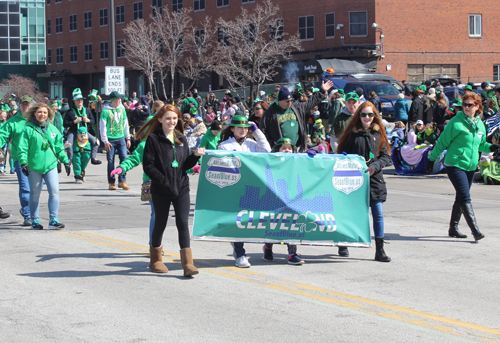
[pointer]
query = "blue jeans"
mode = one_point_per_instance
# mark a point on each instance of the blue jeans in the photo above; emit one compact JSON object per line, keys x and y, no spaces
{"x":4,"y":163}
{"x":238,"y":249}
{"x":462,"y":181}
{"x":51,"y":179}
{"x":378,"y":218}
{"x":24,"y":190}
{"x":151,"y":221}
{"x":121,"y":146}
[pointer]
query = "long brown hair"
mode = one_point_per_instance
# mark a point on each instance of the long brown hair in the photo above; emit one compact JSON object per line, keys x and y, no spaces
{"x":355,"y":124}
{"x":154,"y":123}
{"x":30,"y":112}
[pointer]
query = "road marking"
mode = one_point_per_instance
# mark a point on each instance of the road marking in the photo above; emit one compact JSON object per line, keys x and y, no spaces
{"x":424,"y":320}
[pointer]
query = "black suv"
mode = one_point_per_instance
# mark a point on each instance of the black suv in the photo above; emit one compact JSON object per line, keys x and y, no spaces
{"x":386,"y":92}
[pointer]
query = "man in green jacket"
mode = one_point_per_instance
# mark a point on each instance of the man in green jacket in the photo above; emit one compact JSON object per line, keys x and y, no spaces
{"x":12,"y":129}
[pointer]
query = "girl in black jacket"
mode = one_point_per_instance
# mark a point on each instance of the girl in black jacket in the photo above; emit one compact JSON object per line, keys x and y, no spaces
{"x":365,"y":136}
{"x":166,"y":159}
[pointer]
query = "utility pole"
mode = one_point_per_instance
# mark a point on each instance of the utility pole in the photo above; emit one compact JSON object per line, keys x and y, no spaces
{"x":112,"y":45}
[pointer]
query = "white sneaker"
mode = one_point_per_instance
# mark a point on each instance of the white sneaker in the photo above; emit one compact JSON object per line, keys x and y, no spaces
{"x":242,"y":262}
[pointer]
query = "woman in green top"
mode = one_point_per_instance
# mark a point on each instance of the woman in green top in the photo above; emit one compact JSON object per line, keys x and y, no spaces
{"x":40,"y":146}
{"x":463,"y":137}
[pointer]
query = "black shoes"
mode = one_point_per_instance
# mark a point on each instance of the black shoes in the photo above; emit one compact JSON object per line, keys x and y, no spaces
{"x":4,"y":215}
{"x":380,"y":253}
{"x":470,"y":218}
{"x":343,"y":251}
{"x":95,"y":161}
{"x":456,"y":214}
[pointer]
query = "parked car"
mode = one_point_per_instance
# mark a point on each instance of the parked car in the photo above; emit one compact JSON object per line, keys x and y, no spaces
{"x":452,"y":93}
{"x":386,"y":92}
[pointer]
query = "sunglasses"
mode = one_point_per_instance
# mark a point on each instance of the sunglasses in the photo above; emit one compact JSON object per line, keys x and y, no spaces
{"x":258,"y":108}
{"x":468,"y":104}
{"x":365,"y":114}
{"x":289,"y":100}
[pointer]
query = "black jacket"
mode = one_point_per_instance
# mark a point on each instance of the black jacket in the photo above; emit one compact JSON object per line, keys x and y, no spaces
{"x":359,"y":143}
{"x":270,"y":127}
{"x":416,"y":110}
{"x":71,"y":117}
{"x":157,"y":164}
{"x":138,"y":118}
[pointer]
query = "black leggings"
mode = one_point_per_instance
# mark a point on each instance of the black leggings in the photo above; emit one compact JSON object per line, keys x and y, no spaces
{"x":161,"y":205}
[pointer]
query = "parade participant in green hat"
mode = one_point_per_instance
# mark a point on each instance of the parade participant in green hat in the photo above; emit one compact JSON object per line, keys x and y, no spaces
{"x":81,"y":154}
{"x":234,"y":138}
{"x":95,"y":107}
{"x":76,"y":117}
{"x":317,"y":130}
{"x":284,"y":145}
{"x":12,"y":129}
{"x":40,"y":148}
{"x":116,"y":136}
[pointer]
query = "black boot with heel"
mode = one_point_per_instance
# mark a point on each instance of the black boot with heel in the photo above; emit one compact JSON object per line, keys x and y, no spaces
{"x":456,"y":214}
{"x":470,"y":218}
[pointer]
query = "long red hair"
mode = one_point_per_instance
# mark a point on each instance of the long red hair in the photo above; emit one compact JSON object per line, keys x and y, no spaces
{"x":356,"y":123}
{"x":154,"y":123}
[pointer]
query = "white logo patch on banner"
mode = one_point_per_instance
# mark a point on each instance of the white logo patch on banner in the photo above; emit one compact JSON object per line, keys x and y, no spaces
{"x":223,"y":171}
{"x":347,"y":175}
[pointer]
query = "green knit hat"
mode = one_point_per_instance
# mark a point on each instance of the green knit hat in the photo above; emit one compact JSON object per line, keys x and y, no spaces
{"x":240,"y":121}
{"x":468,"y":87}
{"x":77,"y":94}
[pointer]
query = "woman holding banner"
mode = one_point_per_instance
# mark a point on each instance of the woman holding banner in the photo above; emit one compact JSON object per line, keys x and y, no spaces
{"x":365,"y":136}
{"x":166,"y":159}
{"x":234,"y":137}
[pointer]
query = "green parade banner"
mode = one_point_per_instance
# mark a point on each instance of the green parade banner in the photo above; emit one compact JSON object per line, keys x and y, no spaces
{"x":283,"y":198}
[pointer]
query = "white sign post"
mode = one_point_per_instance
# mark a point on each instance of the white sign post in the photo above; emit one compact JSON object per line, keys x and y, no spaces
{"x":114,"y":80}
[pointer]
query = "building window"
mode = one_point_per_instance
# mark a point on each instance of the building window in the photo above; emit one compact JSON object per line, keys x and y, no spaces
{"x":87,"y":20}
{"x":59,"y":26}
{"x":137,"y":10}
{"x":496,"y":73}
{"x":221,"y":37}
{"x":59,"y":56}
{"x":199,"y":39}
{"x":48,"y":2}
{"x":157,"y":7}
{"x":358,"y":23}
{"x":57,"y":1}
{"x":306,"y":27}
{"x":103,"y":17}
{"x":103,"y":47}
{"x":277,"y":32}
{"x":247,"y":1}
{"x":199,"y":5}
{"x":330,"y":25}
{"x":73,"y":54}
{"x":72,"y":22}
{"x":49,"y":56}
{"x":55,"y":89}
{"x":222,"y":3}
{"x":177,"y":5}
{"x":120,"y":48}
{"x":475,"y":25}
{"x":88,"y":52}
{"x":120,"y":14}
{"x":49,"y":26}
{"x":420,"y":72}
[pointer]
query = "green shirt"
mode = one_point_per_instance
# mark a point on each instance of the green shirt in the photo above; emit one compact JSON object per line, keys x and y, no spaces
{"x":116,"y":122}
{"x":13,"y":129}
{"x":288,"y":123}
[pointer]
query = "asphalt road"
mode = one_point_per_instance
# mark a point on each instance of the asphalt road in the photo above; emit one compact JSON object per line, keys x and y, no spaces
{"x":90,"y":282}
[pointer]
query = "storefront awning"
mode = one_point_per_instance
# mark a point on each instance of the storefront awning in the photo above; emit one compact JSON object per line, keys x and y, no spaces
{"x":340,"y":66}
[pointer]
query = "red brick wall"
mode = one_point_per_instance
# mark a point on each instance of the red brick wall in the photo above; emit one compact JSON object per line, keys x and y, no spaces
{"x":438,"y":33}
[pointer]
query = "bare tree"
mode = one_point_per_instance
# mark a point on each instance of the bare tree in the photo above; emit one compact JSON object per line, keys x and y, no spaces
{"x":172,"y":28}
{"x":201,"y":58}
{"x":142,"y":49}
{"x":255,"y":43}
{"x":20,"y":85}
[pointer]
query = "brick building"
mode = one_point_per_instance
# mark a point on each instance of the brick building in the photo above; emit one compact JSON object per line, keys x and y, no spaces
{"x":408,"y":41}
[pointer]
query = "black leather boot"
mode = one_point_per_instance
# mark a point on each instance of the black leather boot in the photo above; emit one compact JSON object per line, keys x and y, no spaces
{"x":343,"y":251}
{"x":456,"y":214}
{"x":470,"y":218}
{"x":380,"y":253}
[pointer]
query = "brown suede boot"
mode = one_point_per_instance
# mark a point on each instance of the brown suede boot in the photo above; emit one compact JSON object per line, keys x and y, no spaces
{"x":187,"y":262}
{"x":156,"y":261}
{"x":123,"y":185}
{"x":112,"y":187}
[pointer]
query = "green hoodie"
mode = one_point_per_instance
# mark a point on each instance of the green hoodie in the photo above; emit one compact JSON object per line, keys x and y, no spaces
{"x":463,"y":143}
{"x":34,"y":151}
{"x":209,"y":141}
{"x":13,"y":129}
